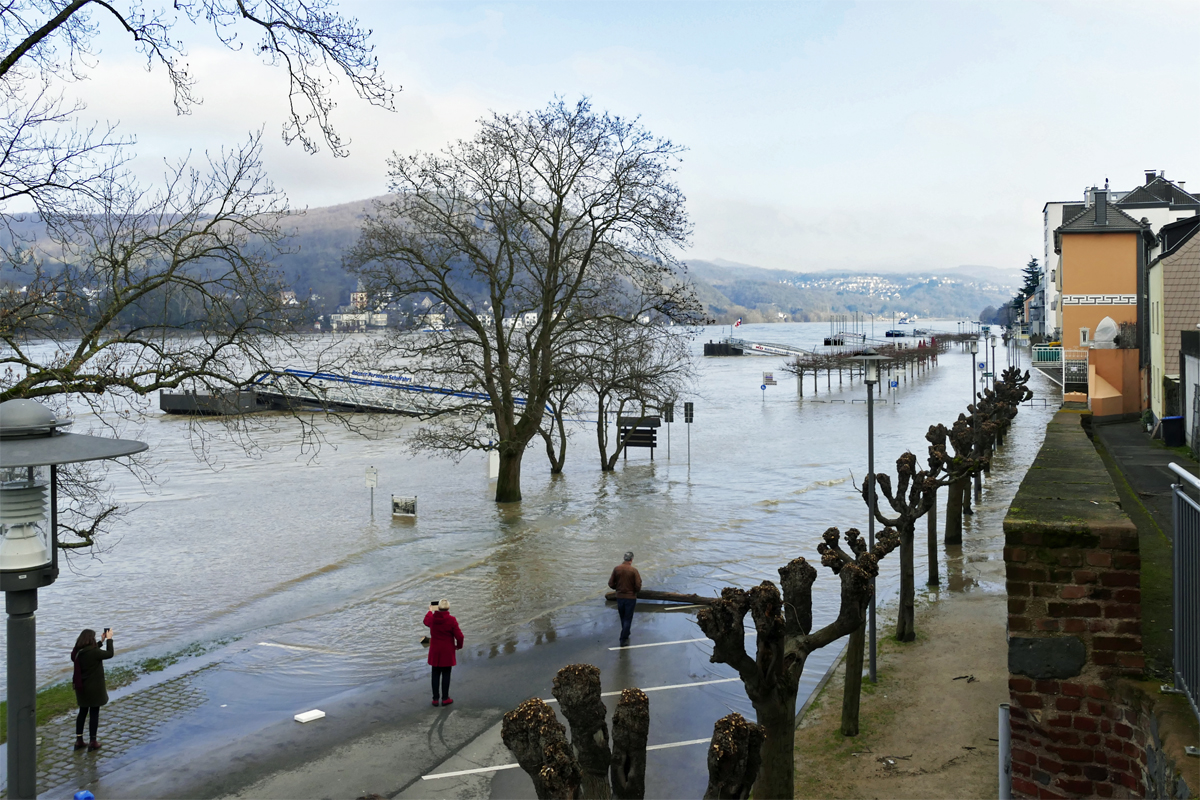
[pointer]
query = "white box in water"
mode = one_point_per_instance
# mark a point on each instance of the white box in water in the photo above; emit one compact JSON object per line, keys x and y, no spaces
{"x":309,"y":716}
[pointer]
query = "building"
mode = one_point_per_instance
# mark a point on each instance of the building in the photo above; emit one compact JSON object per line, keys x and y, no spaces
{"x":1173,"y":281}
{"x":1054,"y":214}
{"x":358,"y":298}
{"x":1101,"y":254}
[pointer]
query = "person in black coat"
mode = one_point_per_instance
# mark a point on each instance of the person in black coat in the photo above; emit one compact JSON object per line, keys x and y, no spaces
{"x":91,"y":692}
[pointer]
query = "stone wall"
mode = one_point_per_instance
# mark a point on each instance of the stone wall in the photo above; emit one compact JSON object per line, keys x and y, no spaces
{"x":1074,"y":624}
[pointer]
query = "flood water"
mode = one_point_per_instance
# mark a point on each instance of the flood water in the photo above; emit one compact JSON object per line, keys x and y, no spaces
{"x":282,"y":548}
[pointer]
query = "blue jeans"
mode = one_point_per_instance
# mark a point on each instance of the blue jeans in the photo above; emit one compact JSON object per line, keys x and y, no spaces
{"x":625,"y":609}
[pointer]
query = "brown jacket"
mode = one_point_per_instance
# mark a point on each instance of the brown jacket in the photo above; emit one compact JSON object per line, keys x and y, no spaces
{"x":626,"y":580}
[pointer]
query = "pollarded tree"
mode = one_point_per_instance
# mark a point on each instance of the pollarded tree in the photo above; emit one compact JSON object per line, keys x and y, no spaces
{"x":785,"y":639}
{"x":541,"y":225}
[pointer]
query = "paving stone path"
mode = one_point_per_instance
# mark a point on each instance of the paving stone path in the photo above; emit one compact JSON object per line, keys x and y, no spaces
{"x":134,"y":720}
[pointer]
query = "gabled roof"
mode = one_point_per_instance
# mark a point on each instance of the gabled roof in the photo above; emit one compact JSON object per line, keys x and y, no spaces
{"x":1159,"y":192}
{"x":1085,"y":222}
{"x":1175,"y":235}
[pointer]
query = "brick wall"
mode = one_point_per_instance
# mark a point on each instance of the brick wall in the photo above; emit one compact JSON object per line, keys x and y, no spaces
{"x":1074,"y":623}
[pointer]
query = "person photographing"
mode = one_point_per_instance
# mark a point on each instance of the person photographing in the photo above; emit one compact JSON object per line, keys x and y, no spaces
{"x":444,"y":638}
{"x":91,"y":691}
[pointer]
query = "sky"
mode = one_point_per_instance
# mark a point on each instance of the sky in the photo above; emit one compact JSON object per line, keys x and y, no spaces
{"x":872,"y":136}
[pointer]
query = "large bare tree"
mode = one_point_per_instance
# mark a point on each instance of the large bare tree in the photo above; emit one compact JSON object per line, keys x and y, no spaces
{"x":543,"y":223}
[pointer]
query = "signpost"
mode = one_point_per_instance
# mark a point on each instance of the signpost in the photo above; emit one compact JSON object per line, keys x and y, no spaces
{"x":668,"y":415}
{"x":372,"y":482}
{"x":687,"y":417}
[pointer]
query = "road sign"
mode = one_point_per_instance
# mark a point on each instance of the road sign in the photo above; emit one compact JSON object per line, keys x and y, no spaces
{"x":763,"y":387}
{"x":687,"y":412}
{"x":372,"y":477}
{"x":668,"y":412}
{"x":769,"y":379}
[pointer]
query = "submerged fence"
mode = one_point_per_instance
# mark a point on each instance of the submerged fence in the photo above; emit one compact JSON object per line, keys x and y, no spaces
{"x":1187,"y":588}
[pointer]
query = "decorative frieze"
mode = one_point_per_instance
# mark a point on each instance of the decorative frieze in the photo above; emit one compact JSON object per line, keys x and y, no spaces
{"x":1099,"y":299}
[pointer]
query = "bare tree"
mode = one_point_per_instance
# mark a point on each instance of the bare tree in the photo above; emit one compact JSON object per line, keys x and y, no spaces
{"x":542,"y":223}
{"x":785,"y":639}
{"x":632,"y":370}
{"x":116,"y":290}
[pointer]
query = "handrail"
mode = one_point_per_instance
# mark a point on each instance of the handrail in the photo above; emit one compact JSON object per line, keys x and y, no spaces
{"x":1187,"y":476}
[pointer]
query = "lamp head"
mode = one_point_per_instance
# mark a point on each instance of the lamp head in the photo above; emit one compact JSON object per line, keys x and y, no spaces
{"x":973,"y":346}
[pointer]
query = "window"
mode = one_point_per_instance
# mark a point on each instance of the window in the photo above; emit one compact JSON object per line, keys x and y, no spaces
{"x":1083,"y":336}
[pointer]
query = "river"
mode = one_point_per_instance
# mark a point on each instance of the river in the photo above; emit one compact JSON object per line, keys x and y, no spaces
{"x":281,"y":547}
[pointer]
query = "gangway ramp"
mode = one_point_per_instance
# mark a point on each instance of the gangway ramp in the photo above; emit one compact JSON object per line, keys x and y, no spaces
{"x":363,"y":390}
{"x":767,"y":348}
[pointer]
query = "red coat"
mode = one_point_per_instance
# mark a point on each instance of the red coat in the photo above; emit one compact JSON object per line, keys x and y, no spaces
{"x":444,"y":638}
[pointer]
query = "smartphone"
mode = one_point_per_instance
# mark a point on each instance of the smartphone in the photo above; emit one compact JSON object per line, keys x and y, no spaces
{"x":105,"y":634}
{"x":434,"y":602}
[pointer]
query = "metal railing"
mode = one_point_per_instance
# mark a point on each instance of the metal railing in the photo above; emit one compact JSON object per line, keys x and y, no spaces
{"x":1044,"y":356}
{"x":1186,"y":593}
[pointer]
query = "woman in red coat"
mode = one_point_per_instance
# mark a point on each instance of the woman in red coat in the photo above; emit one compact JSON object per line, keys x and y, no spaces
{"x":444,"y":638}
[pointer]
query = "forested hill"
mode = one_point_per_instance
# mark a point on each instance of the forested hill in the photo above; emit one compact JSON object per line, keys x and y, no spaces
{"x":320,"y":236}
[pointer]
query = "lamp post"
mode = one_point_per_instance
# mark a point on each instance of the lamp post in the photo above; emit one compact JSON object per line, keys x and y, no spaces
{"x":870,"y":360}
{"x":29,"y":554}
{"x":994,"y":340}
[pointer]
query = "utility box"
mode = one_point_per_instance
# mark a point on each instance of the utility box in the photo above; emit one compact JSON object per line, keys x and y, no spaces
{"x":1172,"y":431}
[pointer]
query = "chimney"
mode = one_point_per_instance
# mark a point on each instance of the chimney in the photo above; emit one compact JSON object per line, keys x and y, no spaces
{"x":1150,"y":176}
{"x":1101,"y":206}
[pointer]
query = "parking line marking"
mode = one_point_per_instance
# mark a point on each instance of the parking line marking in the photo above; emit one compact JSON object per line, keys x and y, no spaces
{"x":677,"y":641}
{"x":660,"y":644}
{"x":498,"y":767}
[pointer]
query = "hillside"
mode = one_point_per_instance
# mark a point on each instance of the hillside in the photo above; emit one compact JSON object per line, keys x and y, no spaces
{"x":319,"y":237}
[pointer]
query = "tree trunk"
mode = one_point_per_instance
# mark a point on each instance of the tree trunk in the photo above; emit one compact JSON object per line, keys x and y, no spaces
{"x":508,"y":483}
{"x":978,"y":486}
{"x":577,"y":689}
{"x":734,"y":758}
{"x":853,"y":685}
{"x":534,"y":735}
{"x":934,"y":580}
{"x":630,"y":730}
{"x":954,"y":512}
{"x":905,"y":630}
{"x":966,"y":498}
{"x":777,"y":716}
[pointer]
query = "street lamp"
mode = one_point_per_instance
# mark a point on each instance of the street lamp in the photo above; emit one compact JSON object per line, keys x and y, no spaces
{"x":994,"y":340}
{"x":29,"y":554}
{"x":870,"y":360}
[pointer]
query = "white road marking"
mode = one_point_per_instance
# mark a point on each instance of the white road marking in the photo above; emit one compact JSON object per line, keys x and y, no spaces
{"x":498,"y":767}
{"x":664,"y":644}
{"x":660,"y":644}
{"x":300,"y":648}
{"x":661,"y":688}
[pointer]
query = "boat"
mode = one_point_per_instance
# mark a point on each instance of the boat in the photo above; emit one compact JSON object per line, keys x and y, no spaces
{"x":895,"y":333}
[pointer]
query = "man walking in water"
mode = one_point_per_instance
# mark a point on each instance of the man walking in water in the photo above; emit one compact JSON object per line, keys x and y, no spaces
{"x":626,"y":581}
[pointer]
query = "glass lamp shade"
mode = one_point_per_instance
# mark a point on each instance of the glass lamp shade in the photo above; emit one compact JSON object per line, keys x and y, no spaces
{"x":872,"y":372}
{"x":25,"y":538}
{"x":973,"y":346}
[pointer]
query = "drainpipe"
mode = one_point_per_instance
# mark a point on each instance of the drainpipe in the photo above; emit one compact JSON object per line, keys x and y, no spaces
{"x":1005,"y":755}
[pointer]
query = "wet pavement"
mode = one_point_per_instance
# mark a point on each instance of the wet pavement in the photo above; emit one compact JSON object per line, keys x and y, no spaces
{"x":386,"y":738}
{"x":1144,"y":463}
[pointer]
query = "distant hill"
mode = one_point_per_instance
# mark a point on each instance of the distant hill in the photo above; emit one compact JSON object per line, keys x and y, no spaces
{"x":755,"y":294}
{"x":729,"y":290}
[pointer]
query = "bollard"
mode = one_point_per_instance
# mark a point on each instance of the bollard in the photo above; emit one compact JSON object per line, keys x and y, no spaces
{"x":1005,"y":754}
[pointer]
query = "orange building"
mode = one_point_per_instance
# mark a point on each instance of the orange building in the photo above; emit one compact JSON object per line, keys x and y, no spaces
{"x":1102,"y":252}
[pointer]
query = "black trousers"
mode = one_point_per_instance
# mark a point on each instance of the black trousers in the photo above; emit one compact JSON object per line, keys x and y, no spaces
{"x":93,"y":723}
{"x":442,"y":673}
